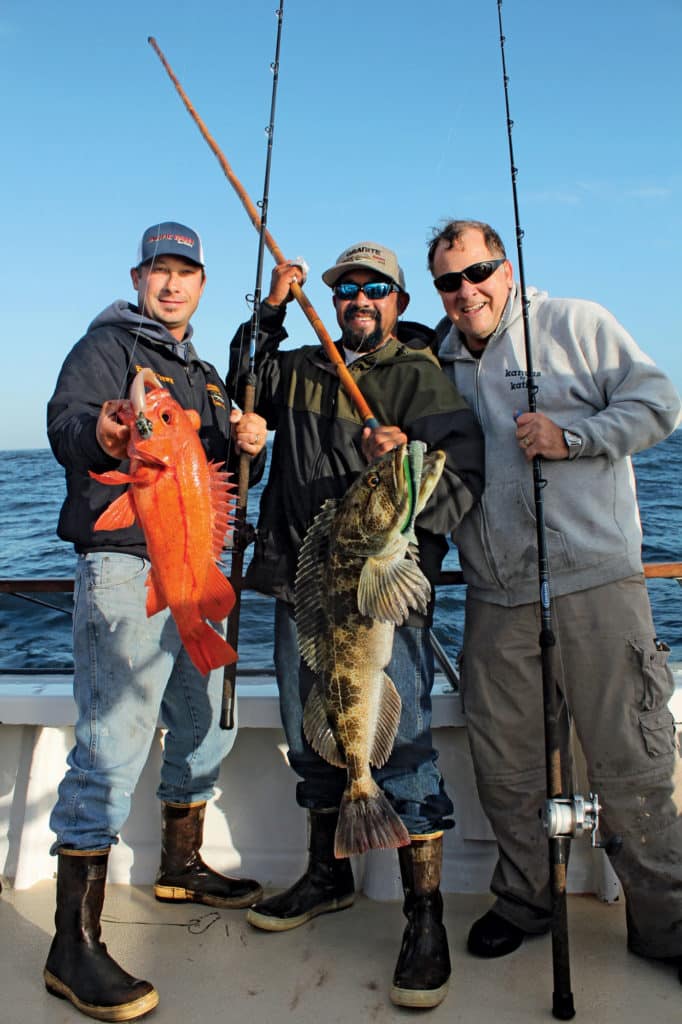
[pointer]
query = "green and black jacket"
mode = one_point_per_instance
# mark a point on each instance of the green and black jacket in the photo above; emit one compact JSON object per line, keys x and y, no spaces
{"x":316,"y":452}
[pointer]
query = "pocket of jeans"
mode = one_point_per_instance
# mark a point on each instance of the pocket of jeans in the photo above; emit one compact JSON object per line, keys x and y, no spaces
{"x":658,"y":730}
{"x":108,"y":571}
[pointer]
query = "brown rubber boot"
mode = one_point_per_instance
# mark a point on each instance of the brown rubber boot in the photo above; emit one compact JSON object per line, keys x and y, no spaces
{"x":326,"y":886}
{"x":183,"y":877}
{"x":78,"y":966}
{"x":422,"y":973}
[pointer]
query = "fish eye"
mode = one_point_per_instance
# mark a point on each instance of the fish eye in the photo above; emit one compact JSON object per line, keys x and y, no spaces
{"x":166,"y":417}
{"x":374,"y":480}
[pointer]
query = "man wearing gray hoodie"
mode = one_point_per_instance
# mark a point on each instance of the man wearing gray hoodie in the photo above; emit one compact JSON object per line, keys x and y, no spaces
{"x":600,"y":399}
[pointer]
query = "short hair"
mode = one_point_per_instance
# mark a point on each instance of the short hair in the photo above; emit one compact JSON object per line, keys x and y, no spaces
{"x":453,"y":231}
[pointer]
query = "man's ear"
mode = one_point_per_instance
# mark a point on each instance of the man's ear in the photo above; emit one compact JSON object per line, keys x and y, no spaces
{"x":403,"y":302}
{"x":135,"y":277}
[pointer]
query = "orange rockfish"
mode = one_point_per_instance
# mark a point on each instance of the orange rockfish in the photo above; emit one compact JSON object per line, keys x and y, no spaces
{"x":357,"y":579}
{"x":182,"y":504}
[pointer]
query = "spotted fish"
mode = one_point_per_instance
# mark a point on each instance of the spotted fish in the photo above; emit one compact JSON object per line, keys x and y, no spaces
{"x":358,"y":578}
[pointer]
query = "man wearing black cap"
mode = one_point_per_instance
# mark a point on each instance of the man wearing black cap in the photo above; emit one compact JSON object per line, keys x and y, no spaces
{"x":320,"y":448}
{"x":131,"y":670}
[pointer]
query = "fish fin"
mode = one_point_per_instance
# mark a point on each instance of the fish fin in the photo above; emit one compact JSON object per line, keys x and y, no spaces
{"x":118,"y":515}
{"x":311,"y":616}
{"x":206,"y":648}
{"x":389,"y":588}
{"x":222,"y":506}
{"x":156,"y":601}
{"x":387,"y":724}
{"x":368,"y":823}
{"x":318,"y":732}
{"x":218,"y":598}
{"x":112,"y":476}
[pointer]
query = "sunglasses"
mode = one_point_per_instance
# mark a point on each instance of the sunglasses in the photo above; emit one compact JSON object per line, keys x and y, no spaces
{"x":373,"y":289}
{"x":474,"y":274}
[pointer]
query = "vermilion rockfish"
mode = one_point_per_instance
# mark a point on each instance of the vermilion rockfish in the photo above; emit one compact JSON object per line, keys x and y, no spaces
{"x":357,"y":579}
{"x":182,"y":504}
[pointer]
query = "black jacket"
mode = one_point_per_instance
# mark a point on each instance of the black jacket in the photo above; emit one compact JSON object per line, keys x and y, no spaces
{"x":316,"y":453}
{"x":101,"y":366}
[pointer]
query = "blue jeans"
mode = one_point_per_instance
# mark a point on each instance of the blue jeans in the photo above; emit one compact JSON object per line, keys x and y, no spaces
{"x":410,"y":778}
{"x":129,"y":671}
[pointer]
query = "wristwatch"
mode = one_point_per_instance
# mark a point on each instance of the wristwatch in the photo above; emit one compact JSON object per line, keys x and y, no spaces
{"x":573,"y":442}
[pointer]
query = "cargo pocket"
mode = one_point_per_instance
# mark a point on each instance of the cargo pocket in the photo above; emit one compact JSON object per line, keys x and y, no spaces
{"x":656,"y":684}
{"x":658,"y":730}
{"x":656,"y":687}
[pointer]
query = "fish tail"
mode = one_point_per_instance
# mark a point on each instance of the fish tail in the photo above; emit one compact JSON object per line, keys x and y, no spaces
{"x":368,"y":823}
{"x":207,"y":649}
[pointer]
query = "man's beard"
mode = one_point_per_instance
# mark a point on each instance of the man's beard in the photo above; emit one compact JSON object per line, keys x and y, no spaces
{"x":359,"y":341}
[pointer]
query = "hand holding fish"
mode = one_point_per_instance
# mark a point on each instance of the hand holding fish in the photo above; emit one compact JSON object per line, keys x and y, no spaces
{"x":380,"y":440}
{"x":111,"y":432}
{"x":183,"y":505}
{"x":283,"y":276}
{"x":248,"y":431}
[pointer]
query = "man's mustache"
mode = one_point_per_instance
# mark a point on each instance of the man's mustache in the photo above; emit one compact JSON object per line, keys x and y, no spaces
{"x":365,"y":310}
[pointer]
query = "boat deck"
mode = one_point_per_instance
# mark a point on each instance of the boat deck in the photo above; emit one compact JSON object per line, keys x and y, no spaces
{"x":213,"y":966}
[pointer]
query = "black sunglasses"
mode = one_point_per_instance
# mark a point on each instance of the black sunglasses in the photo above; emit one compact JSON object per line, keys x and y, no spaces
{"x":373,"y":289}
{"x":474,"y":274}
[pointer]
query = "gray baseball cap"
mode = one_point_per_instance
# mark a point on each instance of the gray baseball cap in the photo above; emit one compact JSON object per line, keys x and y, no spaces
{"x":366,"y":256}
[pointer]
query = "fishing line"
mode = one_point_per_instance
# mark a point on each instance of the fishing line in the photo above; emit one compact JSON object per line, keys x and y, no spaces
{"x":138,"y":329}
{"x":562,"y":1000}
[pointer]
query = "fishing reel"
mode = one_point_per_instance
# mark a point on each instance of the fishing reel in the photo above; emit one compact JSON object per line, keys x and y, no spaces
{"x":567,"y":818}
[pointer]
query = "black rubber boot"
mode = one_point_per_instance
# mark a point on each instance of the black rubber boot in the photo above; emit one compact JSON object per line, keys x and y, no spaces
{"x":78,"y":966}
{"x":422,"y":973}
{"x":183,"y":877}
{"x":326,"y":886}
{"x":492,"y":936}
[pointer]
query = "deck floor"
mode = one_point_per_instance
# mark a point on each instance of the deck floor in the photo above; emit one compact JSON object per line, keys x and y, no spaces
{"x":212,"y":966}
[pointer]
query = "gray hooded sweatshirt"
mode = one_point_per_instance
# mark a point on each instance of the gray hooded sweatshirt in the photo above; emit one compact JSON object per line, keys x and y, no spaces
{"x":593,"y":379}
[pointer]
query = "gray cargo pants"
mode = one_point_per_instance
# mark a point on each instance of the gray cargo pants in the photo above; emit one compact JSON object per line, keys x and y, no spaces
{"x":615,"y":686}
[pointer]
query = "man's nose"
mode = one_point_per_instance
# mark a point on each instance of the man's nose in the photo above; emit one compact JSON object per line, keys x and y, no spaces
{"x":173,"y":280}
{"x":466,"y":288}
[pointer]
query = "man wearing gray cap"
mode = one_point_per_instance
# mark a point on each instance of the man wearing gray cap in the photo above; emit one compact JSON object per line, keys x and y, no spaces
{"x":131,"y":669}
{"x":320,"y":447}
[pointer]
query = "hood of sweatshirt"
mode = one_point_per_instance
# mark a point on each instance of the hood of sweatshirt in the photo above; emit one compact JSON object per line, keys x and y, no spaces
{"x":124,"y":314}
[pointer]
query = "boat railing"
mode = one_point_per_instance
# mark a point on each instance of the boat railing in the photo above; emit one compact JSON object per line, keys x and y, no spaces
{"x":27,"y":589}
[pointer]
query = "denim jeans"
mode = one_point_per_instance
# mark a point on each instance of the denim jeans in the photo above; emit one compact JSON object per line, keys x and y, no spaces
{"x":410,"y":778}
{"x":129,"y":672}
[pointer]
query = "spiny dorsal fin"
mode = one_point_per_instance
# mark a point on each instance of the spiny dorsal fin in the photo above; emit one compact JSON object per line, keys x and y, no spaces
{"x":311,"y":618}
{"x":388,"y":589}
{"x":222,"y":505}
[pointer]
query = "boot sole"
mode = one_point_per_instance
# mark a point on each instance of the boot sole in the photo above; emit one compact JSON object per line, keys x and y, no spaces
{"x":124,"y":1011}
{"x":419,"y":998}
{"x":268,"y":923}
{"x":176,"y":894}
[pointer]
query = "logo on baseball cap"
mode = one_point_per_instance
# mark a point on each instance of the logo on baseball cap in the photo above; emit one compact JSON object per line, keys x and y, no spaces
{"x":366,"y":256}
{"x":170,"y":239}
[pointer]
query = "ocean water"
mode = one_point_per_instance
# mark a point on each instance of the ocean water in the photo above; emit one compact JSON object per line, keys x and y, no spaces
{"x":35,"y":636}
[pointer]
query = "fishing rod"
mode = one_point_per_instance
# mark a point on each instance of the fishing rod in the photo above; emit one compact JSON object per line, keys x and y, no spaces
{"x":351,"y":387}
{"x":562,"y":818}
{"x":239,"y":534}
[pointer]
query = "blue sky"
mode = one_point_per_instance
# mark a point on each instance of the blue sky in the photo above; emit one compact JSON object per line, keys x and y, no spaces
{"x":390,"y":117}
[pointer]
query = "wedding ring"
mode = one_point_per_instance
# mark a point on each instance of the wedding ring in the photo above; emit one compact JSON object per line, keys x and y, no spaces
{"x":526,"y":442}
